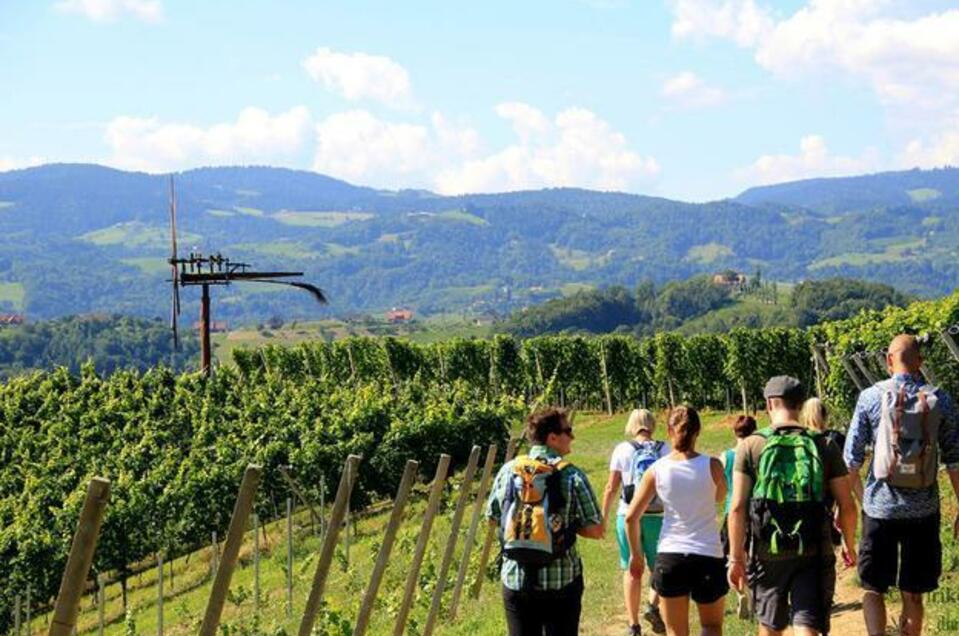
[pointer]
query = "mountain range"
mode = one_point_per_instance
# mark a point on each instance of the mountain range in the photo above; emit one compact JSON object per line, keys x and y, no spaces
{"x":78,"y":238}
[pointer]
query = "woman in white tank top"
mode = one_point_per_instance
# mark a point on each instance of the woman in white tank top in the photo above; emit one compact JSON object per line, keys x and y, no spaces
{"x":689,"y":563}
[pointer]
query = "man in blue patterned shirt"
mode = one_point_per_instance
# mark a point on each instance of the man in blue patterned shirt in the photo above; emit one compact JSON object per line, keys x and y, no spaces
{"x":548,"y":600}
{"x":896,"y":518}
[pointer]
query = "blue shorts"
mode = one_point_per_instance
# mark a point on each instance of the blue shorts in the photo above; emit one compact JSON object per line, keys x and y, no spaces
{"x":650,"y":527}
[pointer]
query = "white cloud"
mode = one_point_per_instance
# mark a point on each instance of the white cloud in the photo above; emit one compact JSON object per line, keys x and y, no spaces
{"x":255,"y":137}
{"x":576,"y":149}
{"x":742,"y":21}
{"x":689,"y":90}
{"x":110,"y":10}
{"x":937,"y":150}
{"x":13,"y":163}
{"x":357,"y":76}
{"x":814,"y":160}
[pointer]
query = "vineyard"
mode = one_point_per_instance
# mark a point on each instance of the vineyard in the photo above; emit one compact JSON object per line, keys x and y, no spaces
{"x":175,"y":446}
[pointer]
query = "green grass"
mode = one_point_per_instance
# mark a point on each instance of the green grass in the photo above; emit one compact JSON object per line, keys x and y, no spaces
{"x":149,"y":264}
{"x":462,"y":216}
{"x":248,"y":193}
{"x":283,"y":249}
{"x":136,"y":234}
{"x":221,"y":213}
{"x":14,"y":293}
{"x":248,"y":211}
{"x":920,"y":195}
{"x":894,"y":249}
{"x":570,"y":289}
{"x":579,"y":260}
{"x":319,"y":219}
{"x":335,"y":249}
{"x":708,"y":253}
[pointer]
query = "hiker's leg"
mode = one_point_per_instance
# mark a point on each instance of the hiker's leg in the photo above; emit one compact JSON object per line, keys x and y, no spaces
{"x":675,"y":612}
{"x":522,"y":617}
{"x":874,"y":612}
{"x":633,"y":594}
{"x":711,"y":617}
{"x":912,"y":613}
{"x":652,"y":526}
{"x":561,"y":611}
{"x":765,"y":630}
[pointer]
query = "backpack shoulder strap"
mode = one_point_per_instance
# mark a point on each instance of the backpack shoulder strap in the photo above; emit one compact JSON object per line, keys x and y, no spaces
{"x":636,"y":445}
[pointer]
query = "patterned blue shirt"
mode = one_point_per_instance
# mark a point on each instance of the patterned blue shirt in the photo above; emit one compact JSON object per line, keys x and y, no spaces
{"x":882,"y":501}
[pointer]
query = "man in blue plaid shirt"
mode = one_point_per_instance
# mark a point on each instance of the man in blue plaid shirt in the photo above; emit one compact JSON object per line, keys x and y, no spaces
{"x":551,"y":604}
{"x":900,"y":545}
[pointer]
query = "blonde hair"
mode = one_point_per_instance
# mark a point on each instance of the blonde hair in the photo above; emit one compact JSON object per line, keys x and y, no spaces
{"x":814,"y":415}
{"x":638,"y":420}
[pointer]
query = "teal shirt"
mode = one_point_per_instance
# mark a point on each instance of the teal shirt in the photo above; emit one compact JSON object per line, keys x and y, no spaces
{"x":582,"y":510}
{"x":730,"y":460}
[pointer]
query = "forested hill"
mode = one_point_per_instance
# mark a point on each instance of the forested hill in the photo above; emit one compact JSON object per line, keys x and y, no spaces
{"x":84,"y":238}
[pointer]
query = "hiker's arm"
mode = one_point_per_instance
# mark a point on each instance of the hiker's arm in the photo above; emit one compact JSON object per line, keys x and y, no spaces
{"x":859,"y":435}
{"x":611,"y":492}
{"x":719,"y":478}
{"x":588,"y":515}
{"x":641,"y":498}
{"x":736,"y":523}
{"x":855,"y":484}
{"x":842,"y":494}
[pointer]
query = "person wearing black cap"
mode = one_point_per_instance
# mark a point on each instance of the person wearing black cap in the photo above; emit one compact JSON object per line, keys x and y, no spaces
{"x":780,"y":480}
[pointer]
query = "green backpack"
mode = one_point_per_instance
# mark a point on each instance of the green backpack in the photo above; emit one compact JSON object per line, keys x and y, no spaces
{"x":787,"y":506}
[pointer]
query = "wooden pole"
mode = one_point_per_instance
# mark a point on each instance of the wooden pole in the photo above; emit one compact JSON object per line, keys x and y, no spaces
{"x":205,"y":365}
{"x":436,"y":492}
{"x":28,"y":609}
{"x":214,"y":555}
{"x":16,"y":615}
{"x":256,"y":564}
{"x":474,"y":525}
{"x":857,"y":359}
{"x":602,"y":365}
{"x":159,"y":594}
{"x":346,"y":535}
{"x":851,"y":373}
{"x":101,"y":604}
{"x":81,"y":556}
{"x":491,"y":531}
{"x":451,"y":542}
{"x":817,"y":372}
{"x":322,"y":506}
{"x":289,"y":557}
{"x":231,"y":550}
{"x":329,"y":545}
{"x":389,"y":536}
{"x":947,"y":337}
{"x":314,"y":518}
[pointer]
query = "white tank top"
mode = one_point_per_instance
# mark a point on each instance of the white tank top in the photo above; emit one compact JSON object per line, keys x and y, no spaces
{"x":689,"y":499}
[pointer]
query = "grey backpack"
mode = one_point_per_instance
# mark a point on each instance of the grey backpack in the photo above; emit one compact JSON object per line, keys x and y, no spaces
{"x":906,"y":453}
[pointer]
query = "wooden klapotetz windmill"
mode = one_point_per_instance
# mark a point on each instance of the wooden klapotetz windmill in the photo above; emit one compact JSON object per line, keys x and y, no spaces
{"x":215,"y":269}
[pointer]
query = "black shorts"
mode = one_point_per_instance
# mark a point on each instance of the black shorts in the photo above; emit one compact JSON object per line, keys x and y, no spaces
{"x":909,"y":547}
{"x":797,"y":591}
{"x":701,"y":577}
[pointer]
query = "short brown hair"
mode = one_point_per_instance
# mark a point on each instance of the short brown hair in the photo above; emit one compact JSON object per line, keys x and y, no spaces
{"x":545,"y":421}
{"x":744,"y":426}
{"x":684,"y":422}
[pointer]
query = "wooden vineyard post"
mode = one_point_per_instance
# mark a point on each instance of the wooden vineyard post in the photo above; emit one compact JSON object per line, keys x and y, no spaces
{"x":947,"y":337}
{"x":742,"y":388}
{"x":16,"y":615}
{"x":491,"y":531}
{"x":256,"y":564}
{"x":474,"y":525}
{"x":214,"y":555}
{"x":436,"y":492}
{"x":322,"y":506}
{"x":289,"y":557}
{"x":602,"y":366}
{"x":866,"y":373}
{"x":451,"y":542}
{"x":101,"y":604}
{"x":81,"y":557}
{"x":314,"y":518}
{"x":159,"y":594}
{"x":329,"y":545}
{"x":28,"y":609}
{"x":231,"y":550}
{"x":851,"y":373}
{"x":389,"y":536}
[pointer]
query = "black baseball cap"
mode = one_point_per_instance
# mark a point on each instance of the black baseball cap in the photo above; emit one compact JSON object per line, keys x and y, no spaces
{"x":784,"y":386}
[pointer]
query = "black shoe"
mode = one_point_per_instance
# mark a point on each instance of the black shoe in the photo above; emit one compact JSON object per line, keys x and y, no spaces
{"x":655,"y":620}
{"x":635,"y":630}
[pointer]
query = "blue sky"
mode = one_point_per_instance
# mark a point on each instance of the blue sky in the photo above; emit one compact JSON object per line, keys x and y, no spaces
{"x":690,"y":99}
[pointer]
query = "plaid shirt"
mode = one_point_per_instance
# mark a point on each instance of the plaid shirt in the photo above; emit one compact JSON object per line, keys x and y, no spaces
{"x":882,"y":501}
{"x":582,"y":511}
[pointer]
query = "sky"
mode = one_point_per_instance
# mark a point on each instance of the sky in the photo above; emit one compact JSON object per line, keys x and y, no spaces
{"x":689,"y":99}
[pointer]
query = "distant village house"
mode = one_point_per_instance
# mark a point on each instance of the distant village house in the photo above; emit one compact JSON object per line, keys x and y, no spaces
{"x":396,"y":315}
{"x":730,"y":279}
{"x":11,"y":319}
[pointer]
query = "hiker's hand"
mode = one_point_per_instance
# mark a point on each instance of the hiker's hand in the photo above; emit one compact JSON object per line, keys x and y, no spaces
{"x":737,"y":575}
{"x":636,"y":566}
{"x":849,"y":556}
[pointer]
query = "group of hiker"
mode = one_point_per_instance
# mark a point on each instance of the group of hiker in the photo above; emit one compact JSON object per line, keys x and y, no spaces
{"x":790,"y":491}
